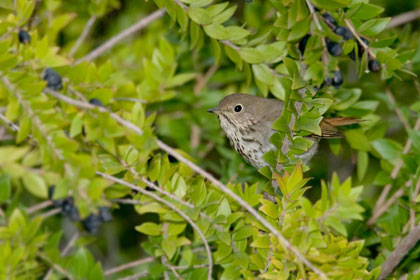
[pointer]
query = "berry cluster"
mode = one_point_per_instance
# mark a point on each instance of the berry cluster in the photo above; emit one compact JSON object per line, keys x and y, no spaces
{"x":335,"y":49}
{"x":91,"y":223}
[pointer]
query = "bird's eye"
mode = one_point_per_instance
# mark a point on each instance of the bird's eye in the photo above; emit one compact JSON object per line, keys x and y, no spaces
{"x":238,"y":108}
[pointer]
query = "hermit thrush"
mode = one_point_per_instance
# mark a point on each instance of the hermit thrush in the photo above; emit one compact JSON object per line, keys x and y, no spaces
{"x":247,"y":120}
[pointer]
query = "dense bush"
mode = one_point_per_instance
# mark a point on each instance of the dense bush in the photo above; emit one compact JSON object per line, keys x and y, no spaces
{"x":108,"y":156}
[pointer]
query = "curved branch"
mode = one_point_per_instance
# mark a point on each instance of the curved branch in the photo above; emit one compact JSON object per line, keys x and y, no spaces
{"x":121,"y":36}
{"x":171,"y":206}
{"x":404,"y":18}
{"x":83,"y":36}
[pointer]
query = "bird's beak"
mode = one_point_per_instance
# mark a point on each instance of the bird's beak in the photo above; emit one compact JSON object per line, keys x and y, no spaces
{"x":214,"y":110}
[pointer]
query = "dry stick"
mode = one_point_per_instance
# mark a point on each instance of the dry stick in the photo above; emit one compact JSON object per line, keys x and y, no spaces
{"x":382,"y":209}
{"x":83,"y":36}
{"x":361,"y":42}
{"x":171,"y":206}
{"x":135,"y":276}
{"x":394,"y":175}
{"x":413,"y":201}
{"x":202,"y":80}
{"x":127,"y":266}
{"x":401,"y":249}
{"x":200,"y":171}
{"x":121,"y":36}
{"x":39,"y":206}
{"x":88,"y":106}
{"x":397,"y":109}
{"x":64,"y":252}
{"x":403,"y":18}
{"x":10,"y":124}
{"x":56,"y":267}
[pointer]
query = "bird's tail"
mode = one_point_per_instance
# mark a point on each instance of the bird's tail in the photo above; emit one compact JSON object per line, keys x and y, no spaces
{"x":328,"y":126}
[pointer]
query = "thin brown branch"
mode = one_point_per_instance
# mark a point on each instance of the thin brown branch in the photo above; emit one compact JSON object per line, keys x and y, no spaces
{"x":10,"y":124}
{"x":413,"y":201}
{"x":397,"y":109}
{"x":203,"y":80}
{"x":382,"y":209}
{"x":403,"y":18}
{"x":203,"y":173}
{"x":135,"y":276}
{"x":127,"y":266}
{"x":39,"y":206}
{"x":395,"y":171}
{"x":171,"y":206}
{"x":401,"y":250}
{"x":361,"y":42}
{"x":55,"y":267}
{"x":121,"y":36}
{"x":88,"y":106}
{"x":83,"y":36}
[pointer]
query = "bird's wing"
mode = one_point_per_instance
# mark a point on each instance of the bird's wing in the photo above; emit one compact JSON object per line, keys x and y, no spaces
{"x":328,"y":126}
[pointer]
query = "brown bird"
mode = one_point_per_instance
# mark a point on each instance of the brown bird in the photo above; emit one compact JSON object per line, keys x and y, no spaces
{"x":247,"y":120}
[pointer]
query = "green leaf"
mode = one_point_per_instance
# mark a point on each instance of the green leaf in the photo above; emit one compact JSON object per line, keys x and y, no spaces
{"x":388,"y":149}
{"x":217,"y":31}
{"x":362,"y":164}
{"x":7,"y":4}
{"x":299,"y":30}
{"x":236,"y":33}
{"x":76,"y":125}
{"x":251,"y":55}
{"x":225,"y":15}
{"x":364,"y":11}
{"x":243,"y":233}
{"x":331,"y":4}
{"x":308,"y":124}
{"x":357,"y":140}
{"x":12,"y":153}
{"x":199,"y":15}
{"x":149,"y":229}
{"x":374,"y":26}
{"x":35,"y":184}
{"x":5,"y":188}
{"x":24,"y":129}
{"x":263,"y":73}
{"x":415,"y":139}
{"x":24,"y":10}
{"x":169,"y":248}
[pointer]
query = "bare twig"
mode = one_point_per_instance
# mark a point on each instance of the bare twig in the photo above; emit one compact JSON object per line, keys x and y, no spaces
{"x":135,"y":276}
{"x":50,"y":213}
{"x":403,"y":18}
{"x":394,"y":173}
{"x":39,"y":206}
{"x":84,"y":35}
{"x":171,"y":206}
{"x":397,"y":109}
{"x":121,"y":36}
{"x":202,"y":80}
{"x":361,"y":42}
{"x":88,"y":106}
{"x":400,"y":251}
{"x":55,"y":267}
{"x":376,"y":214}
{"x":128,"y":265}
{"x":413,"y":201}
{"x":10,"y":124}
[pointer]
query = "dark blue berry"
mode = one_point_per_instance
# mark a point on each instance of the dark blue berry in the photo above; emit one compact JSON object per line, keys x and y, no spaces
{"x":334,"y":48}
{"x":96,"y":102}
{"x":328,"y":17}
{"x":374,"y":65}
{"x":92,"y":223}
{"x":24,"y":37}
{"x":344,"y":32}
{"x":69,"y":209}
{"x":53,"y":79}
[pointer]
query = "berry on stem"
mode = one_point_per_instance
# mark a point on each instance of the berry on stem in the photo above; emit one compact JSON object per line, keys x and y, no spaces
{"x":24,"y":37}
{"x":374,"y":65}
{"x":344,"y":32}
{"x":53,"y":79}
{"x":328,"y":17}
{"x":334,"y":48}
{"x":96,"y":102}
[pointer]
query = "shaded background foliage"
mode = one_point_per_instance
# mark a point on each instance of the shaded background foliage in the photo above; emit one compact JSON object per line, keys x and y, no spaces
{"x":180,"y":119}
